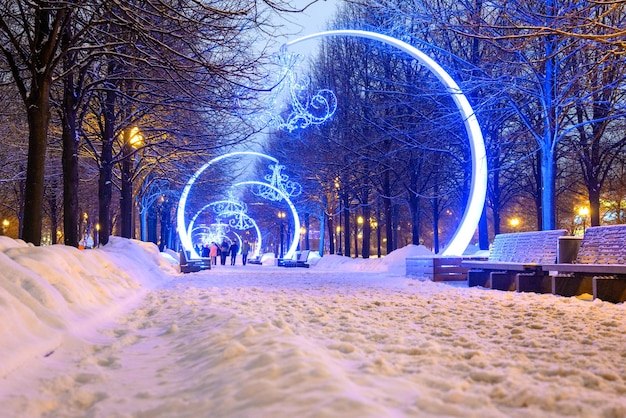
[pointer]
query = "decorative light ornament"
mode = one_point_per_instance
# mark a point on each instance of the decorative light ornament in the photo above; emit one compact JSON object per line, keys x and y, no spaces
{"x":306,"y":108}
{"x":478,"y":189}
{"x":278,"y":181}
{"x":296,"y":219}
{"x":184,"y":231}
{"x":239,"y":220}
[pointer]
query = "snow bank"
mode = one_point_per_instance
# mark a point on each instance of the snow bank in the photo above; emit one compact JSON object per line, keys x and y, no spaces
{"x":46,"y":291}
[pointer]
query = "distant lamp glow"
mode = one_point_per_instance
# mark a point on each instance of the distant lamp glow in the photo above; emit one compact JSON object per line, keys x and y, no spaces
{"x":135,"y":139}
{"x":514,"y":222}
{"x":478,"y":189}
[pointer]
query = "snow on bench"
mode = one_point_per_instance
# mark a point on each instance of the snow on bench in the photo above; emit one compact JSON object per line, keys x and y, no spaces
{"x":599,"y":268}
{"x":515,"y":261}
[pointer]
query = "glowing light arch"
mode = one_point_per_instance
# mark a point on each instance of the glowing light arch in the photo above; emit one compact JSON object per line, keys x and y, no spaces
{"x":294,"y":214}
{"x":190,"y":228}
{"x":183,"y":232}
{"x":478,"y":189}
{"x":185,"y":239}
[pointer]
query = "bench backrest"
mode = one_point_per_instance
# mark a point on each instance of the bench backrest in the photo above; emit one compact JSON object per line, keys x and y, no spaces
{"x":603,"y":245}
{"x":526,"y":247}
{"x":304,"y":255}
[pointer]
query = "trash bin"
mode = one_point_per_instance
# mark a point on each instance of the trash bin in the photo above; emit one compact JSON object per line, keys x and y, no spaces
{"x":567,"y":249}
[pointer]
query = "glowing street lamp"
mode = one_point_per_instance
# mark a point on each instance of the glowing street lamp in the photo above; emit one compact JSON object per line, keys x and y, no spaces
{"x":302,"y":234}
{"x":357,"y":235}
{"x":5,"y":226}
{"x":514,"y":222}
{"x":132,"y":140}
{"x":338,"y":229}
{"x":374,"y":225}
{"x":338,"y":187}
{"x":583,"y":212}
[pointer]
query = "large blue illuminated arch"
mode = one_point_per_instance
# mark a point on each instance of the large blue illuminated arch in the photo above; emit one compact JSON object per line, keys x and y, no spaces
{"x":478,"y":189}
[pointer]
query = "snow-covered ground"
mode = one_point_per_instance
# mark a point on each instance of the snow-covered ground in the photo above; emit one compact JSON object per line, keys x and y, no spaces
{"x":118,"y":332}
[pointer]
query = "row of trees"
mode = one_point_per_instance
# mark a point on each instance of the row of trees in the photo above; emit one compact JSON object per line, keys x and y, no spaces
{"x":116,"y":93}
{"x":547,"y":80}
{"x":100,"y":92}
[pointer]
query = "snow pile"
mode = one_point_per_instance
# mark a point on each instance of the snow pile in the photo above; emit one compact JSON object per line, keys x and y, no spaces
{"x":393,"y":263}
{"x":119,"y":333}
{"x":45,"y":292}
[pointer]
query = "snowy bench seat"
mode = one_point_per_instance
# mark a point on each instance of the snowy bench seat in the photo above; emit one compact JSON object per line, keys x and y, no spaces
{"x":191,"y":265}
{"x":300,"y":260}
{"x":599,"y":268}
{"x":515,"y":261}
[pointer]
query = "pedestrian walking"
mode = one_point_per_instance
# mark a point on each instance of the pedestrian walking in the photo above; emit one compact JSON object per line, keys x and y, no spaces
{"x":234,"y":249}
{"x":224,"y":252}
{"x":245,"y":249}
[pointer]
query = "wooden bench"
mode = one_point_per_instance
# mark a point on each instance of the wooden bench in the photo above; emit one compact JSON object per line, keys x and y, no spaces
{"x":515,"y":261}
{"x":255,"y":260}
{"x":300,"y":260}
{"x":437,"y":269}
{"x":599,"y":269}
{"x":191,"y":265}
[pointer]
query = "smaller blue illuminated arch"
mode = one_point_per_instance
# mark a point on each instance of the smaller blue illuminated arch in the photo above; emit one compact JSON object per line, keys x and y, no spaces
{"x":185,"y":239}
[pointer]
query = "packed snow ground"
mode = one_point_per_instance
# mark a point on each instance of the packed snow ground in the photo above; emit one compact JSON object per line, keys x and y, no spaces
{"x":118,"y":332}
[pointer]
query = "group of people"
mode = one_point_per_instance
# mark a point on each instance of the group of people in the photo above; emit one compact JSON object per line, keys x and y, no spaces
{"x":224,"y":250}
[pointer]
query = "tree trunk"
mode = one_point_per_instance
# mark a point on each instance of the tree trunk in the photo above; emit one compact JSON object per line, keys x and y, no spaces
{"x":435,"y":207}
{"x":346,"y":226}
{"x":105,"y":182}
{"x":331,"y":234}
{"x":71,"y":214}
{"x":548,"y":179}
{"x":387,"y":212}
{"x":38,"y":114}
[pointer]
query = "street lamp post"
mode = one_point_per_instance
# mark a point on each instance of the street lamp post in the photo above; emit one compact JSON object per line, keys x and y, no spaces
{"x":583,"y":212}
{"x":357,"y":235}
{"x":375,"y":226}
{"x":132,"y":140}
{"x":281,"y":217}
{"x":338,"y":229}
{"x":337,"y":186}
{"x":302,"y":237}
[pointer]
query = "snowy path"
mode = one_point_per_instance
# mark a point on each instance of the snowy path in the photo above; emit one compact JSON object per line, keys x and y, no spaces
{"x":267,"y":342}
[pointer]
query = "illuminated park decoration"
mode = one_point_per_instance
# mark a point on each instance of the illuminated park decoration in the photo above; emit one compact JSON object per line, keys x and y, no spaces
{"x":306,"y":109}
{"x":235,"y":212}
{"x":278,"y":181}
{"x":233,"y":209}
{"x":478,"y":189}
{"x":296,"y":220}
